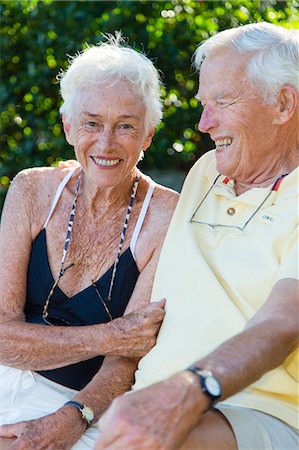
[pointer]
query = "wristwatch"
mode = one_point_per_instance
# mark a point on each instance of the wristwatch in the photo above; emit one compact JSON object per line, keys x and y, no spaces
{"x":210,"y":385}
{"x":86,"y":412}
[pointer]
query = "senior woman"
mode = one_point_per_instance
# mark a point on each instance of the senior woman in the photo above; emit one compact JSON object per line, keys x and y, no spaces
{"x":229,"y":267}
{"x":79,"y":247}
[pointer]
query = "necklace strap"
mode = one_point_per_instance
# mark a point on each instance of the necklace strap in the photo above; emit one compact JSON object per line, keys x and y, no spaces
{"x":122,"y":236}
{"x":70,"y":228}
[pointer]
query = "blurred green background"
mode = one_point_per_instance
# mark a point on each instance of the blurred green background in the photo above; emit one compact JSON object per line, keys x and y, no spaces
{"x":37,"y":37}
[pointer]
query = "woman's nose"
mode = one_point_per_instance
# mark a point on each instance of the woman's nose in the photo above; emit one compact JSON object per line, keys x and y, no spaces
{"x":208,"y":120}
{"x":105,"y":138}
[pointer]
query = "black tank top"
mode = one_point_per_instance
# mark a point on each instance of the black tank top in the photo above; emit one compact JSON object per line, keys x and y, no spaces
{"x":83,"y":308}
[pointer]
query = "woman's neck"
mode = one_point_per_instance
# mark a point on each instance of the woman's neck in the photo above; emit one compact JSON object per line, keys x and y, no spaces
{"x":98,"y":197}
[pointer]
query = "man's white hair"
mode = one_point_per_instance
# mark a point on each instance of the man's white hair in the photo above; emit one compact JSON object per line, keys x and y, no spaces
{"x":273,"y":55}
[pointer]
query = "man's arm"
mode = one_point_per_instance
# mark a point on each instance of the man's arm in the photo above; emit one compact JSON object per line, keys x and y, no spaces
{"x":174,"y":406}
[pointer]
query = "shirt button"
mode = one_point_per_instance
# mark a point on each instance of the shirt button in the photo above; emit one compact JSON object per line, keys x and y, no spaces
{"x":231,"y":211}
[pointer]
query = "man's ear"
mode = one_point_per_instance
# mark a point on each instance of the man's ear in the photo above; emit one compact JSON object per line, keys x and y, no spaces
{"x":148,"y":139}
{"x":287,"y":104}
{"x":67,"y":129}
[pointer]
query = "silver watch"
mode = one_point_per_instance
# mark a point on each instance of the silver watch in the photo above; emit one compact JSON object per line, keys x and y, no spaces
{"x":210,"y":385}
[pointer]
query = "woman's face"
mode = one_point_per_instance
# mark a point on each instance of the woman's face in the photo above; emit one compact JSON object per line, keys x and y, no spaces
{"x":108,"y":133}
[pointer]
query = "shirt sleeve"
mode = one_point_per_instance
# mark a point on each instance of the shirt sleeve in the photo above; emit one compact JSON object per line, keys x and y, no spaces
{"x":289,"y":259}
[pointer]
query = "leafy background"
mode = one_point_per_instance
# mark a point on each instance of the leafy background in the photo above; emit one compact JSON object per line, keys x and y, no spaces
{"x":36,"y":37}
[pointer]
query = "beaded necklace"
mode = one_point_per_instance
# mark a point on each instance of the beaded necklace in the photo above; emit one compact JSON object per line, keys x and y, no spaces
{"x":104,"y":302}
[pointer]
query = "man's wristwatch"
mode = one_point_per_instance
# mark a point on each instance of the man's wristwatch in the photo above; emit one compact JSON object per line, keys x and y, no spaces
{"x":86,"y":412}
{"x":210,"y":385}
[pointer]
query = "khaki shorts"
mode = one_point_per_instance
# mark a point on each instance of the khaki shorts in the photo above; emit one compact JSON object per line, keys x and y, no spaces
{"x":255,"y":430}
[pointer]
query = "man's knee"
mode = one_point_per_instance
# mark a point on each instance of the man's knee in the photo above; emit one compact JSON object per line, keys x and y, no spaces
{"x":213,"y":432}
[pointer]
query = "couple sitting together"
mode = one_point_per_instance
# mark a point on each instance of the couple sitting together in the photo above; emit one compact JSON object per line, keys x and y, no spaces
{"x":103,"y":272}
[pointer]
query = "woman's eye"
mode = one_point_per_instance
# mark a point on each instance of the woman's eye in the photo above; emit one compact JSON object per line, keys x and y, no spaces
{"x":124,"y":128}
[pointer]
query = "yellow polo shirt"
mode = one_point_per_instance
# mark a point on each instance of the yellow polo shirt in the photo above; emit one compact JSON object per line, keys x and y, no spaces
{"x":215,"y":280}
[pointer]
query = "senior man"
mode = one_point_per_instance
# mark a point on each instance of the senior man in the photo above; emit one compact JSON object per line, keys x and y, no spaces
{"x":224,"y":371}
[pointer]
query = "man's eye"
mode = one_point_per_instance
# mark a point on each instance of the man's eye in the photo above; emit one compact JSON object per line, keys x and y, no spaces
{"x":125,"y":126}
{"x":225,"y":103}
{"x":90,"y":124}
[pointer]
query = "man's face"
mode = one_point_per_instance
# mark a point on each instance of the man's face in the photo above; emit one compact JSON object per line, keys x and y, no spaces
{"x":235,"y":116}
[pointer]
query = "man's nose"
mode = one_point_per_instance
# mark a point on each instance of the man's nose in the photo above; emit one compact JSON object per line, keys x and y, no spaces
{"x":208,"y":120}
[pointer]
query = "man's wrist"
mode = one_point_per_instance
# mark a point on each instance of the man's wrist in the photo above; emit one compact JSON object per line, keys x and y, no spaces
{"x":209,"y":384}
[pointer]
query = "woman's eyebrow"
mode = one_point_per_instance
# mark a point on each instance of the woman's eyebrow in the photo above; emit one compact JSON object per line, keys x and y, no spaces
{"x":121,"y":116}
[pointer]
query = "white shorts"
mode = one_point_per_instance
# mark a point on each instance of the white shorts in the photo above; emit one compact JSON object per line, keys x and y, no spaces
{"x":255,"y":430}
{"x":26,"y":395}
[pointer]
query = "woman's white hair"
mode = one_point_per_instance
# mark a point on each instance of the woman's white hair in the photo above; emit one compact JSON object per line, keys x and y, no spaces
{"x":273,"y":55}
{"x":107,"y":63}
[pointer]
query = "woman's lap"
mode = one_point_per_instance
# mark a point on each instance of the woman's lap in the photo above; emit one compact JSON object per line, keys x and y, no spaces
{"x":26,"y":395}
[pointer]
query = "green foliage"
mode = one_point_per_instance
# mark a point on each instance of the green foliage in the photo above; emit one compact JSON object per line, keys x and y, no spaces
{"x":37,"y":36}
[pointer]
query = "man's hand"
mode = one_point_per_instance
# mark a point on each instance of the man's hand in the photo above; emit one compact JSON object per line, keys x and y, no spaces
{"x":152,"y":418}
{"x":56,"y":431}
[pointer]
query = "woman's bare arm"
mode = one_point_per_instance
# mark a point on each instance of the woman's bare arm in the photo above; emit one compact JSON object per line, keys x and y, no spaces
{"x":39,"y":347}
{"x":104,"y":387}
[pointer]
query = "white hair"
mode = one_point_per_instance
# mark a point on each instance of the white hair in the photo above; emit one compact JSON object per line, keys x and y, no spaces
{"x":107,"y":63}
{"x":273,"y":55}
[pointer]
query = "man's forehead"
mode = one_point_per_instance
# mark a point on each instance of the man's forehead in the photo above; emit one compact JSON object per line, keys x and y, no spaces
{"x":223,"y":65}
{"x":225,"y":56}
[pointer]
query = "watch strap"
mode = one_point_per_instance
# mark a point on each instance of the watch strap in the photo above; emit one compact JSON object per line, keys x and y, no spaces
{"x":202,"y":374}
{"x":86,"y":412}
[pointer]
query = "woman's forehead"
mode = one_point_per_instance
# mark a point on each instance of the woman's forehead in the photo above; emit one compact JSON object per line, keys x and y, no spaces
{"x":121,"y":99}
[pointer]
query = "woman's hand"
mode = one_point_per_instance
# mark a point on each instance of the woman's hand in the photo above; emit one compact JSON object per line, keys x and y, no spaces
{"x":53,"y":432}
{"x":134,"y":334}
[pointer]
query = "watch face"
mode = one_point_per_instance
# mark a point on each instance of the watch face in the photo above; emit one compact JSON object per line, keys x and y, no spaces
{"x":212,"y":386}
{"x":88,"y":414}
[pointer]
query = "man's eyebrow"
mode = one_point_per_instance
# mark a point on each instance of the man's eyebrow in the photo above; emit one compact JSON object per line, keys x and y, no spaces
{"x":86,"y":113}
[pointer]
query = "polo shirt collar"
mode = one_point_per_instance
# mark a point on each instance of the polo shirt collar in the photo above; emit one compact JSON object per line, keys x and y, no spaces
{"x":224,"y":186}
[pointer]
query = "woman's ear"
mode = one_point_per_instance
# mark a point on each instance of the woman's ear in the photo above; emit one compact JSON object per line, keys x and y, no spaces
{"x":67,"y":129}
{"x":148,"y":139}
{"x":287,"y":104}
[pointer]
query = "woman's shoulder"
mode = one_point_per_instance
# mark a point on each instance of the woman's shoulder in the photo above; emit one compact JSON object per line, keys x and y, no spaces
{"x":33,"y":191}
{"x":37,"y":182}
{"x":161,"y":207}
{"x":165,"y":199}
{"x":162,"y":194}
